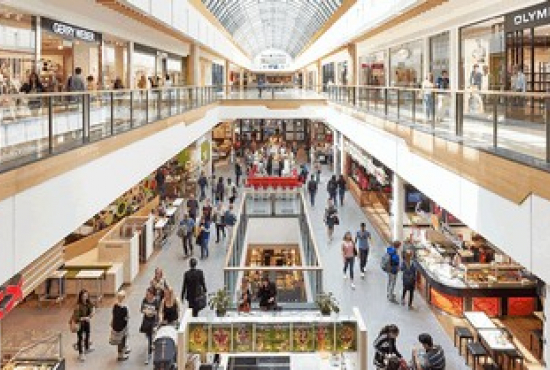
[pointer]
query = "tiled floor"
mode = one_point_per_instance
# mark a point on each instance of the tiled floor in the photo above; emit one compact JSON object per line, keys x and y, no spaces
{"x":369,"y":296}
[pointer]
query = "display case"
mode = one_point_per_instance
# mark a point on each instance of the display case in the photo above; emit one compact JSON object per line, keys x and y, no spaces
{"x":294,"y":334}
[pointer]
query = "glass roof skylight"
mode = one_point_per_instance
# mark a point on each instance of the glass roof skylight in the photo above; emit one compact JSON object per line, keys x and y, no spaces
{"x":258,"y":25}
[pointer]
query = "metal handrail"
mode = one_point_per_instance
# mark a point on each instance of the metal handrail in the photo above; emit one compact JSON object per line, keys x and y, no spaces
{"x":236,"y":227}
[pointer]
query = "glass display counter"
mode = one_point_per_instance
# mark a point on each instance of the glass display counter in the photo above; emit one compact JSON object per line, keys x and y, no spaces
{"x":300,"y":336}
{"x":495,"y":288}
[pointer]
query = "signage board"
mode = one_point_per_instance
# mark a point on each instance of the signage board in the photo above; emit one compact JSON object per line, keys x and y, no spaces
{"x":537,"y":15}
{"x":11,"y":293}
{"x":69,"y":31}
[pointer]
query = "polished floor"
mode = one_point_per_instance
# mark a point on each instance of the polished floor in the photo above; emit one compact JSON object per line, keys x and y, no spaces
{"x":369,"y":296}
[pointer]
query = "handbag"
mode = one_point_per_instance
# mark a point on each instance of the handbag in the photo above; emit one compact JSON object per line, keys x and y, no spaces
{"x":336,"y":220}
{"x":200,"y":301}
{"x":116,"y":337}
{"x":75,"y":326}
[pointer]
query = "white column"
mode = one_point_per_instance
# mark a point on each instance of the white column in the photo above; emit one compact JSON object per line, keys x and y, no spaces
{"x":130,"y":66}
{"x":335,"y":160}
{"x":38,"y":46}
{"x":341,"y":156}
{"x":397,"y":207}
{"x":387,"y":72}
{"x":425,"y":58}
{"x":241,"y":78}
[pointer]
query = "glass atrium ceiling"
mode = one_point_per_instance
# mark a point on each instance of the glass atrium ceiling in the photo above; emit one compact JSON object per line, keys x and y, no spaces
{"x":258,"y":25}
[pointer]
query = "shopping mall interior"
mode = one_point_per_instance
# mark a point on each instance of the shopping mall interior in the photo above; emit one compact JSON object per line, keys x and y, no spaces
{"x":274,"y":184}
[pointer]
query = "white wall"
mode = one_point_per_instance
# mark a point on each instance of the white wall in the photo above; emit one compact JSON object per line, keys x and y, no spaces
{"x":270,"y":231}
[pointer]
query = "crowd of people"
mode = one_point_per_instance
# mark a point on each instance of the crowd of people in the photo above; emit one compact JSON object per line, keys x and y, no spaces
{"x":203,"y":216}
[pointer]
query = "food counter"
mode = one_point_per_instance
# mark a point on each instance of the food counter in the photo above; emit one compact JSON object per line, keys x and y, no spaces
{"x":495,"y":288}
{"x":299,"y":336}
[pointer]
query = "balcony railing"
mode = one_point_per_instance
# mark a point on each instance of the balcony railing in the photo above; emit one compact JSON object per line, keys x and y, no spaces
{"x":509,"y":124}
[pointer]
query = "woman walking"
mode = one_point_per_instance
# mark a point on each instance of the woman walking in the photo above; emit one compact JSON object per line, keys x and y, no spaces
{"x":119,"y":326}
{"x":385,"y":346}
{"x":331,"y":219}
{"x":217,"y":218}
{"x":150,"y":310}
{"x":158,"y":283}
{"x":348,"y":253}
{"x":169,"y":308}
{"x":82,"y":315}
{"x":409,"y":278}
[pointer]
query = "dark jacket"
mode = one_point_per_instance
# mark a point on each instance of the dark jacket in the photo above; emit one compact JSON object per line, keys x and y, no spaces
{"x":409,"y":274}
{"x":341,"y":185}
{"x":120,"y":318}
{"x":332,"y":186}
{"x":193,"y":285}
{"x":384,"y":346}
{"x":265,"y":293}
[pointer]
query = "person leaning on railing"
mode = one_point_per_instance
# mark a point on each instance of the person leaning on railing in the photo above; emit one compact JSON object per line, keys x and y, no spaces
{"x":33,"y":86}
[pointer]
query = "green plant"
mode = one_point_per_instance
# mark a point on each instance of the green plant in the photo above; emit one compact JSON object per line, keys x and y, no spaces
{"x":327,"y":303}
{"x":219,"y":301}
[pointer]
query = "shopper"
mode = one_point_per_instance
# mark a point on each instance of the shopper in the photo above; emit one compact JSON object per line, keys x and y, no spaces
{"x":332,"y":188}
{"x":203,"y":183}
{"x":342,"y":187}
{"x":267,"y":295}
{"x":76,"y":81}
{"x":392,"y":268}
{"x":167,"y":81}
{"x":430,"y":356}
{"x":348,"y":253}
{"x":194,"y":288}
{"x":312,"y":190}
{"x":232,"y":189}
{"x":363,"y":240}
{"x":427,"y":87}
{"x":204,"y":237}
{"x":118,"y":85}
{"x":160,"y":179}
{"x":158,"y":283}
{"x":331,"y":219}
{"x":385,"y":346}
{"x":33,"y":85}
{"x":150,"y":310}
{"x":80,"y":321}
{"x":317,"y":167}
{"x":220,"y":190}
{"x":408,"y":269}
{"x":207,"y":210}
{"x":443,"y":81}
{"x":170,"y":306}
{"x":192,"y":207}
{"x":217,"y":218}
{"x":185,"y":232}
{"x":90,"y":83}
{"x":244,"y":296}
{"x":238,"y":172}
{"x":229,"y":219}
{"x":119,"y":326}
{"x":142,"y":83}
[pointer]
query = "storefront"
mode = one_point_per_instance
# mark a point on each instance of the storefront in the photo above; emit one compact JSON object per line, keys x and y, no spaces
{"x":152,"y":64}
{"x":373,"y":69}
{"x":440,"y":53}
{"x":17,"y":50}
{"x":406,"y":64}
{"x":115,"y":62}
{"x":217,"y":74}
{"x":328,"y":74}
{"x":64,"y":48}
{"x":368,"y":180}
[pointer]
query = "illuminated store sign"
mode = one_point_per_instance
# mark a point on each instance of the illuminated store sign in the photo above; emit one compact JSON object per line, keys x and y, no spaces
{"x":537,"y":15}
{"x":68,"y":31}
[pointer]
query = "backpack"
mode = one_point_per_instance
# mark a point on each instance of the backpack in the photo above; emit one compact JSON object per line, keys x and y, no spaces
{"x":385,"y":262}
{"x":312,"y":185}
{"x":331,"y":187}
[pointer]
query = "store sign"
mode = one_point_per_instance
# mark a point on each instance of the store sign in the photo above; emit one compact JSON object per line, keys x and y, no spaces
{"x":537,"y":15}
{"x":10,"y":294}
{"x":69,"y":31}
{"x":364,"y":160}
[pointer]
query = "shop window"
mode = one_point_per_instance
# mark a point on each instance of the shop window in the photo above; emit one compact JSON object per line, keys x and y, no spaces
{"x":373,"y":69}
{"x":406,"y":64}
{"x":439,"y":54}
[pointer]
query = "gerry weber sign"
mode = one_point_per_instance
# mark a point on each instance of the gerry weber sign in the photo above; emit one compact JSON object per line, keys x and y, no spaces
{"x":68,"y":31}
{"x":533,"y":16}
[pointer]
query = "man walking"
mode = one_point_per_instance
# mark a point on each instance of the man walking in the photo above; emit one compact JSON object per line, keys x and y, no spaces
{"x":238,"y":172}
{"x":332,"y":187}
{"x":192,"y":207}
{"x":203,"y":183}
{"x":312,"y":189}
{"x":362,"y":240}
{"x":185,"y":232}
{"x":229,"y":219}
{"x":194,"y":287}
{"x":392,"y":268}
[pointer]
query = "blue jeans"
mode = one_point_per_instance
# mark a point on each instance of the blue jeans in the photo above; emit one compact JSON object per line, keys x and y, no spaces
{"x":342,"y":193}
{"x":429,"y":105}
{"x":204,"y":247}
{"x":312,"y":197}
{"x":333,"y":197}
{"x":349,"y":262}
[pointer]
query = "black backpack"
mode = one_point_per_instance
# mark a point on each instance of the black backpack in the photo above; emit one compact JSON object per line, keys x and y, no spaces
{"x":312,"y":185}
{"x":331,"y":186}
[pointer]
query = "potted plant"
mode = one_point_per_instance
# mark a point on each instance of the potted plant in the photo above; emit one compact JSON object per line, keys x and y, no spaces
{"x":219,"y":301}
{"x":327,"y":303}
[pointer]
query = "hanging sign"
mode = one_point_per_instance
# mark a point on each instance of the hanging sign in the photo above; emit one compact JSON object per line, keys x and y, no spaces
{"x":366,"y":161}
{"x":537,"y":15}
{"x":10,"y":294}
